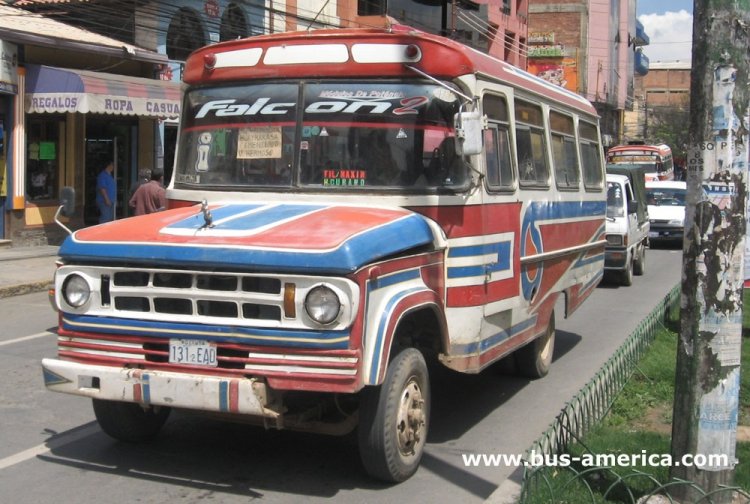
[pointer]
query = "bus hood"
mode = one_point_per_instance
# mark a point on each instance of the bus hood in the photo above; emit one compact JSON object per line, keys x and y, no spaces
{"x":260,"y":237}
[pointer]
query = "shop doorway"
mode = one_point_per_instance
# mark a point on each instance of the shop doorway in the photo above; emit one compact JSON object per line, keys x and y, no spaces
{"x":170,"y":144}
{"x":107,"y":141}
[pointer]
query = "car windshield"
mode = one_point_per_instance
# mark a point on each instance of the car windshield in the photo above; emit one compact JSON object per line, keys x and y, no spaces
{"x":663,"y":196}
{"x":328,"y":136}
{"x":615,"y":201}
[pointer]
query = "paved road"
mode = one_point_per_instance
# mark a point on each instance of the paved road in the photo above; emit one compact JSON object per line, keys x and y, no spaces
{"x":52,"y":451}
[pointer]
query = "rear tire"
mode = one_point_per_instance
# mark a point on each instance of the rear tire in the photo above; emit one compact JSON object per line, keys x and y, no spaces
{"x":394,"y":419}
{"x":129,"y":422}
{"x":535,"y":359}
{"x":639,"y":266}
{"x":627,"y":276}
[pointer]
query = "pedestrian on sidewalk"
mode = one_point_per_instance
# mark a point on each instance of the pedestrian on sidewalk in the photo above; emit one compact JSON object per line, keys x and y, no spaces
{"x":150,"y":197}
{"x":106,"y":193}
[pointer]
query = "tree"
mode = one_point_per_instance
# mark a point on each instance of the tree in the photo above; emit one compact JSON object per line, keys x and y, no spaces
{"x":668,"y":124}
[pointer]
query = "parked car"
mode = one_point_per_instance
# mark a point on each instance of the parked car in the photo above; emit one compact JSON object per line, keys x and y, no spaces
{"x":666,"y":210}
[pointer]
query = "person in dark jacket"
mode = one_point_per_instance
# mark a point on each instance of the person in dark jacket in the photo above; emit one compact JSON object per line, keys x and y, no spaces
{"x":150,"y":197}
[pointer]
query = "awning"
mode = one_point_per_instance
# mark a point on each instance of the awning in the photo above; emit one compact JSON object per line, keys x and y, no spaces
{"x":60,"y":90}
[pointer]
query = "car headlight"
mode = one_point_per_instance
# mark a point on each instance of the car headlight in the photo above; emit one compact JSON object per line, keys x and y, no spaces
{"x":614,"y":240}
{"x":322,"y":304}
{"x":76,"y":291}
{"x":676,"y":222}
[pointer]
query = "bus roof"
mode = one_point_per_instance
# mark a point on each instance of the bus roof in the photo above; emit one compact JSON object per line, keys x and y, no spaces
{"x":662,"y":149}
{"x":359,"y":52}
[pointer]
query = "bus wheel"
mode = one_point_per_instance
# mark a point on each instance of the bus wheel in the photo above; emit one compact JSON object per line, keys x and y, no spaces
{"x":535,"y":359}
{"x":129,"y":422}
{"x":639,"y":266}
{"x":394,"y":419}
{"x":627,"y":275}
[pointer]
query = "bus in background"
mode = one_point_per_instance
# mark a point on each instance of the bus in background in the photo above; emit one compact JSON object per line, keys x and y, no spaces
{"x":346,"y":206}
{"x":656,"y":158}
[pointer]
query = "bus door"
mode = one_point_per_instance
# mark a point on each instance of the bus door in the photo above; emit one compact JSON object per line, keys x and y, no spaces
{"x":502,"y":211}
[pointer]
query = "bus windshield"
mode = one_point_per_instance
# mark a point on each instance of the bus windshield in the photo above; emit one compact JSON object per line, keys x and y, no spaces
{"x":326,"y":135}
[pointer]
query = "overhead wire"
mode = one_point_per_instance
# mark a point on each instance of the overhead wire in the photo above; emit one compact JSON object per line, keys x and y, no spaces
{"x":484,"y":28}
{"x":107,"y":19}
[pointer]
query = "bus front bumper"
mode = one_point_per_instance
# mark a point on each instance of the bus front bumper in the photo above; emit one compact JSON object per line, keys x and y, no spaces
{"x":249,"y":396}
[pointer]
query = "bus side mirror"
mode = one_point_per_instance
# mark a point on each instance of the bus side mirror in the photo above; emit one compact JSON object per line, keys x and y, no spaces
{"x":67,"y":206}
{"x":468,"y":133}
{"x":67,"y":201}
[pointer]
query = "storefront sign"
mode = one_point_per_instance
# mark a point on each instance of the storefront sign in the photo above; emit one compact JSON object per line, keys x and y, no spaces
{"x":8,"y":67}
{"x":78,"y":91}
{"x":546,"y":51}
{"x":541,"y":38}
{"x":47,"y":150}
{"x":101,"y":104}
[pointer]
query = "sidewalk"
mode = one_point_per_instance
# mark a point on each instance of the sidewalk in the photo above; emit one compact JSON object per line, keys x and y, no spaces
{"x":26,"y":269}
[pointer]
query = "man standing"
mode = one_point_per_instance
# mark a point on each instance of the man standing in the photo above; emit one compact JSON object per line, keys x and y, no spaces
{"x":150,"y":197}
{"x":106,"y":193}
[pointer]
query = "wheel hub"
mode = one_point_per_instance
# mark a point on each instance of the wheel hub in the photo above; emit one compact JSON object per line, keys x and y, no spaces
{"x":411,"y":418}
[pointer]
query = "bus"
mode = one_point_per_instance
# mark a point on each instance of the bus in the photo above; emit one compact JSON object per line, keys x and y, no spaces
{"x":657,"y":159}
{"x":347,"y":206}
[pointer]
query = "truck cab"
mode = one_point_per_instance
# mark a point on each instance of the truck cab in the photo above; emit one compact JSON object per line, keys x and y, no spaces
{"x":627,"y":228}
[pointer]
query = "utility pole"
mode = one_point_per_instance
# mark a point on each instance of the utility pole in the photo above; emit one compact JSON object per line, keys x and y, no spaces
{"x":708,"y":355}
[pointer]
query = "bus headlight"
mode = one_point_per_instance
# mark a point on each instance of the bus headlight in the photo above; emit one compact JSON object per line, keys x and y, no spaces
{"x":322,"y":304}
{"x":76,"y":291}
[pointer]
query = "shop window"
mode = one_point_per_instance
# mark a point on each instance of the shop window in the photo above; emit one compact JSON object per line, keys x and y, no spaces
{"x":185,"y":34}
{"x":233,"y":23}
{"x":371,"y":7}
{"x":42,"y":158}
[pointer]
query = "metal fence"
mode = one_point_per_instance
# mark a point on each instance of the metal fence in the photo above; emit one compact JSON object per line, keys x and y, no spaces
{"x":575,"y":484}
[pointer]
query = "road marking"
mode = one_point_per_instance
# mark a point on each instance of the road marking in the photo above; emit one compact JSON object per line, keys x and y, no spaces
{"x":54,"y":442}
{"x":26,"y":338}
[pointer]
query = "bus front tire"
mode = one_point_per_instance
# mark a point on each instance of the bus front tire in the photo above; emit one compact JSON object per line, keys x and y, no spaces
{"x":129,"y":422}
{"x":535,"y":359}
{"x":394,"y":419}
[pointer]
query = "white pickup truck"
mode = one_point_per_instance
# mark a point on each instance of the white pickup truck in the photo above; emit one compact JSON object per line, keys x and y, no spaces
{"x":627,"y":226}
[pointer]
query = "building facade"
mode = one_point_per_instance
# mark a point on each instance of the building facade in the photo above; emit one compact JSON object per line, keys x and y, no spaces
{"x":661,"y":94}
{"x":590,"y":47}
{"x":64,"y":114}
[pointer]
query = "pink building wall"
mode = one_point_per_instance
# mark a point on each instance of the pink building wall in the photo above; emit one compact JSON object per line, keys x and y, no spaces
{"x":599,"y":56}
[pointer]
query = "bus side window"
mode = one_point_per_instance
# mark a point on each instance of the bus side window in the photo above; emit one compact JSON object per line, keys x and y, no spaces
{"x":498,"y":155}
{"x":531,"y":146}
{"x":591,"y":161}
{"x":564,"y":152}
{"x":497,"y":159}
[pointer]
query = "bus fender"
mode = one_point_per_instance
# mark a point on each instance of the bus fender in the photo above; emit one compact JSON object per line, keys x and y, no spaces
{"x":386,"y":307}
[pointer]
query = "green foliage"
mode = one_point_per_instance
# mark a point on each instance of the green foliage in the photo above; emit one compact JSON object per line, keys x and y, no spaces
{"x":652,"y":383}
{"x":669,"y":125}
{"x":632,"y":428}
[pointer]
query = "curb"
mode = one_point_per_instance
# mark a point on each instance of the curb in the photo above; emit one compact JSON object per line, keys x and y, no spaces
{"x":26,"y":288}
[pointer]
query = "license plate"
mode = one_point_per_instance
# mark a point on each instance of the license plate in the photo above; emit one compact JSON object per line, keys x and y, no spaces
{"x":196,"y":352}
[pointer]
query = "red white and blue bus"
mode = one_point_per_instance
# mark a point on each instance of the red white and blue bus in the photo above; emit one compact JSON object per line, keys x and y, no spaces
{"x":346,"y":206}
{"x":656,"y":158}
